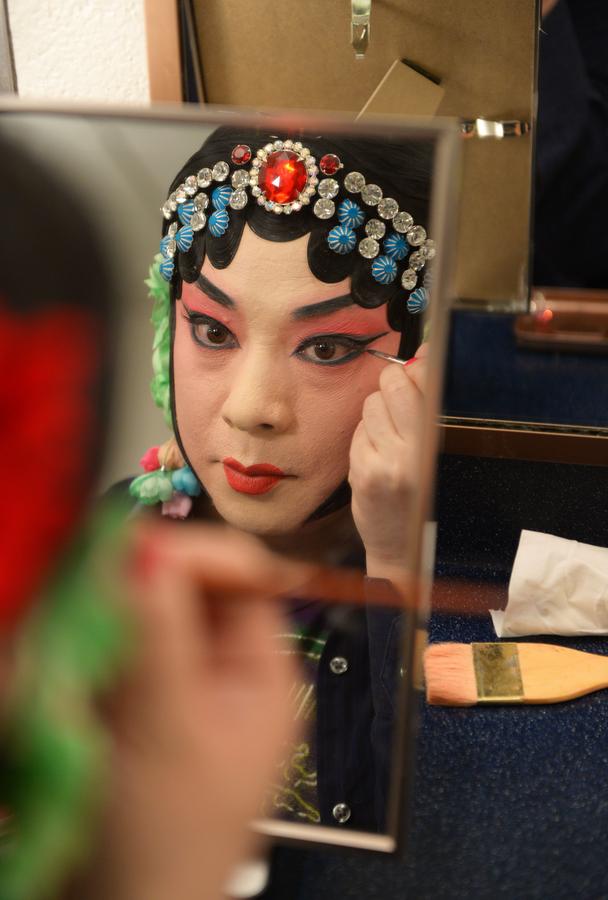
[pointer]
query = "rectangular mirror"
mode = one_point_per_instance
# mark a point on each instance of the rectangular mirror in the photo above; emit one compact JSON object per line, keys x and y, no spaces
{"x":291,"y":246}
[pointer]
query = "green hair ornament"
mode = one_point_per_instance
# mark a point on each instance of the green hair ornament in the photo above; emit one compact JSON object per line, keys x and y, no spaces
{"x":161,"y":348}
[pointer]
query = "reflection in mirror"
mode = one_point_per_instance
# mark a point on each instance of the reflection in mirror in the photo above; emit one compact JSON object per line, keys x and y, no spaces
{"x":296,"y":390}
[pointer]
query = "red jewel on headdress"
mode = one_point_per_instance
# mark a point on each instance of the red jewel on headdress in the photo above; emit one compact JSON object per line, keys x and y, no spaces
{"x":330,"y":163}
{"x":282,"y":176}
{"x":241,"y":155}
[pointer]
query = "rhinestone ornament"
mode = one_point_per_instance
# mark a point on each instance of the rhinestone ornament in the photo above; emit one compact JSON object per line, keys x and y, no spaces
{"x":220,"y":171}
{"x":191,"y":185}
{"x":416,"y":261}
{"x":369,"y":247}
{"x":282,"y":176}
{"x":239,"y":179}
{"x":402,"y":221}
{"x":238,"y":199}
{"x":324,"y":209}
{"x":198,"y":221}
{"x":330,"y":163}
{"x":204,"y":177}
{"x":350,"y":214}
{"x":201,"y":202}
{"x":384,"y":269}
{"x":416,"y":236}
{"x":342,"y":239}
{"x":241,"y":155}
{"x":371,"y":194}
{"x":387,"y":208}
{"x":428,"y":248}
{"x":374,"y":228}
{"x":354,"y":181}
{"x":328,"y":188}
{"x":409,"y":279}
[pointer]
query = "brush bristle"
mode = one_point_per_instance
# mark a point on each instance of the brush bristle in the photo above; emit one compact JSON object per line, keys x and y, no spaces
{"x":450,"y":675}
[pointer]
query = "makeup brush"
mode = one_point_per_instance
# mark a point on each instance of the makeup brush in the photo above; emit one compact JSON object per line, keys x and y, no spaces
{"x":387,"y":356}
{"x":468,"y":674}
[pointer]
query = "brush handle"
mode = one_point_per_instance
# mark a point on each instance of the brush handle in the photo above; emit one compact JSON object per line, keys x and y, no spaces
{"x":551,"y":673}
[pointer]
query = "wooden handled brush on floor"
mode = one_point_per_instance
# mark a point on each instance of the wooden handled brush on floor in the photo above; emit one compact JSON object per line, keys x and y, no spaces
{"x":467,"y":674}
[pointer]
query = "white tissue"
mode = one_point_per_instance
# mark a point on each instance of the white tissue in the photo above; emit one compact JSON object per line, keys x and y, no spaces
{"x":556,"y":587}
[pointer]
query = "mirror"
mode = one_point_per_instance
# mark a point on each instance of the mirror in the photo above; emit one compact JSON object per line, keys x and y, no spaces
{"x":290,"y":246}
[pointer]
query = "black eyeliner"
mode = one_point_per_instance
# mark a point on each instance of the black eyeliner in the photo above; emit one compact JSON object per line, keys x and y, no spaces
{"x":342,"y":339}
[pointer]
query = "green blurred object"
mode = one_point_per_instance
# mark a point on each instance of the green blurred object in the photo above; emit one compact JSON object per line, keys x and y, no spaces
{"x":54,"y":750}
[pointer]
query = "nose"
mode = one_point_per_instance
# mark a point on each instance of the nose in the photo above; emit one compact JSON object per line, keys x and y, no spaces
{"x":259,"y":398}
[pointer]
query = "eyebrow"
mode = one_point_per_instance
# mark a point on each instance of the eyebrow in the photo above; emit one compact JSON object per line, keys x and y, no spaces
{"x":203,"y":284}
{"x":322,"y":308}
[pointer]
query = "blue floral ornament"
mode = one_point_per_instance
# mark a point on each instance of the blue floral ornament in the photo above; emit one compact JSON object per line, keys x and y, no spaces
{"x":341,"y":239}
{"x":218,"y":223}
{"x":184,"y":480}
{"x":418,"y":301}
{"x":153,"y":487}
{"x":184,"y":238}
{"x":220,"y":198}
{"x":384,"y":269}
{"x":396,"y":246}
{"x":166,"y":269}
{"x":185,"y":211}
{"x":167,"y":246}
{"x":350,"y":214}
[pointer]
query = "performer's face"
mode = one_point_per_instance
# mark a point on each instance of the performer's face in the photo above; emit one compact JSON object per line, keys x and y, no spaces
{"x":268,"y":372}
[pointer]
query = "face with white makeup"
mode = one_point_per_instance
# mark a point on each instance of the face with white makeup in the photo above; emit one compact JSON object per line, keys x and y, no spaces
{"x":270,"y":375}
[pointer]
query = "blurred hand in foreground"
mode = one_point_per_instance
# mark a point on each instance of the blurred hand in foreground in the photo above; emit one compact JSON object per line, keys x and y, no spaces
{"x":199,"y":725}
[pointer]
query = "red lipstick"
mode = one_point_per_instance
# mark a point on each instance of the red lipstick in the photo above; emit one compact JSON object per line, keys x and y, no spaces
{"x":257,"y":479}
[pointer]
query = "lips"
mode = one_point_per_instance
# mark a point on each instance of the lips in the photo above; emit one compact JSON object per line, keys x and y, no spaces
{"x":257,"y":479}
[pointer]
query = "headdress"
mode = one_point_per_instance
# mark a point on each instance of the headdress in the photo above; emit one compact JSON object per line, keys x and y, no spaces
{"x":283,"y":177}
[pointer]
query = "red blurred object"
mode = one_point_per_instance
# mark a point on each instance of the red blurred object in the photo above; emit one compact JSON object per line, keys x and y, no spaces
{"x":282,"y":176}
{"x":48,"y":369}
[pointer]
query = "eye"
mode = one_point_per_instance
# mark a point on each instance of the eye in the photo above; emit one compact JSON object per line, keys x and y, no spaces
{"x":333,"y":349}
{"x":208,"y":332}
{"x":324,"y":350}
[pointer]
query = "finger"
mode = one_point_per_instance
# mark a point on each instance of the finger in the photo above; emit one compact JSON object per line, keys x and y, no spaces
{"x":417,"y":372}
{"x":378,"y":424}
{"x":221,"y":560}
{"x":402,"y":399}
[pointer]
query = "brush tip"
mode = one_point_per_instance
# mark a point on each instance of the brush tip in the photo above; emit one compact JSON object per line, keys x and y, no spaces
{"x":450,"y":675}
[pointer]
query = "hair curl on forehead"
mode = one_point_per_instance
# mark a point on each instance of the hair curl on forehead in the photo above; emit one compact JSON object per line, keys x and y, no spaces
{"x":401,"y":168}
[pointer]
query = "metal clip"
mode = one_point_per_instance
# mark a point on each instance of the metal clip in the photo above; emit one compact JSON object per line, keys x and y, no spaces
{"x":485,"y":128}
{"x":361,"y":11}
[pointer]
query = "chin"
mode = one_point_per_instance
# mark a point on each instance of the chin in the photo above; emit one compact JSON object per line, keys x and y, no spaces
{"x":266,"y":515}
